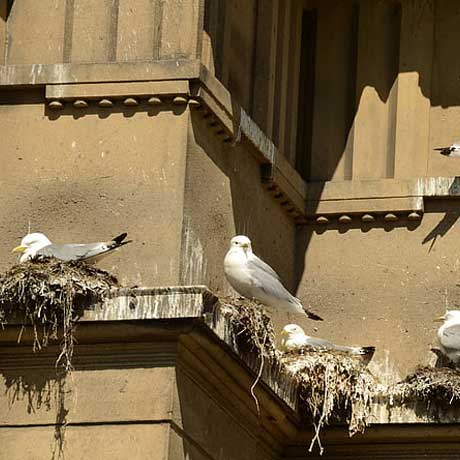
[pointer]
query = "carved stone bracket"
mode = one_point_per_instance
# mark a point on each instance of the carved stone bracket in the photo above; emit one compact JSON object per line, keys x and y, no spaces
{"x":107,"y":95}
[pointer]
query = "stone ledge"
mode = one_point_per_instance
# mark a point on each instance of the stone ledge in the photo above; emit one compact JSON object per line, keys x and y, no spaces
{"x":191,"y":314}
{"x":116,"y":90}
{"x":52,"y":74}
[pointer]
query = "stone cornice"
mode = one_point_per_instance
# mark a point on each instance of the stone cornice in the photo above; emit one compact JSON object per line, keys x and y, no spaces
{"x":189,"y":313}
{"x":181,"y":326}
{"x":35,"y":75}
{"x":156,"y":85}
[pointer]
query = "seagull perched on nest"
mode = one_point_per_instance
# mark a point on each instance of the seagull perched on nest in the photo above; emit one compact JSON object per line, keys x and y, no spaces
{"x":293,"y":338}
{"x":252,"y":278}
{"x":449,"y":335}
{"x":35,"y":245}
{"x":453,"y":151}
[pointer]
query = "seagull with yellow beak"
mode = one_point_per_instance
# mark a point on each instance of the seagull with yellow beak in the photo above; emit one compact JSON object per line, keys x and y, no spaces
{"x":252,"y":278}
{"x":449,"y":334}
{"x":293,"y":338}
{"x":35,"y":245}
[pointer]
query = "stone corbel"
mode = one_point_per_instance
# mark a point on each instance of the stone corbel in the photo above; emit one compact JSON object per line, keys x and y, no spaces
{"x":107,"y":95}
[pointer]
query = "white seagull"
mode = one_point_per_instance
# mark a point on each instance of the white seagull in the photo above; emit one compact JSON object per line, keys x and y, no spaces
{"x":453,"y":151}
{"x":293,"y":338}
{"x":449,"y":335}
{"x":35,"y":245}
{"x":252,"y":278}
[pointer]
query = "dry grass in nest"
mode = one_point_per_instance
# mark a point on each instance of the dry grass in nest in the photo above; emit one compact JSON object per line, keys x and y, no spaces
{"x":253,"y":329}
{"x":440,"y":385}
{"x":251,"y":324}
{"x":333,"y":386}
{"x":45,"y":293}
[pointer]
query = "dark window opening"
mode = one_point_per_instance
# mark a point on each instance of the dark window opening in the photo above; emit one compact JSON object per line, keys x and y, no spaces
{"x":305,"y":106}
{"x":214,"y":25}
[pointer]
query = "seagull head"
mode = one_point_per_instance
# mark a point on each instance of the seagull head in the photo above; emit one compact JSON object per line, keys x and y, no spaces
{"x":292,"y":330}
{"x":449,"y":316}
{"x":30,"y":244}
{"x":241,"y":242}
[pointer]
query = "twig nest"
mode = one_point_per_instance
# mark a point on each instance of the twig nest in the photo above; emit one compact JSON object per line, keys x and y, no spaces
{"x":333,"y":386}
{"x":439,"y":385}
{"x":49,"y":294}
{"x":253,"y":328}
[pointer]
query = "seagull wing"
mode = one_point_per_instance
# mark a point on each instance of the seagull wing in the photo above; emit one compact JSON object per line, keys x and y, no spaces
{"x":256,"y":264}
{"x":266,"y":279}
{"x":90,"y":252}
{"x":442,"y":149}
{"x":450,"y":337}
{"x":323,"y":344}
{"x":68,"y":252}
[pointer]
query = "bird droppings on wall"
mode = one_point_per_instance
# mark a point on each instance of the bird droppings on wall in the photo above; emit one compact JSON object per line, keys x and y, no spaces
{"x":193,"y":259}
{"x":250,"y":129}
{"x":35,"y":71}
{"x":49,"y":295}
{"x":322,"y":387}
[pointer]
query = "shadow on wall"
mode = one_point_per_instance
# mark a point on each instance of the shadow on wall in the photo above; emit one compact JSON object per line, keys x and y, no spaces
{"x":43,"y":389}
{"x":208,"y":431}
{"x":375,"y":65}
{"x":359,"y":51}
{"x":451,"y":217}
{"x":231,"y":201}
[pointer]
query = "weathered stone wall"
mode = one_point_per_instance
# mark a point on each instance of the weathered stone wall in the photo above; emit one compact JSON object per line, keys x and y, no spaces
{"x":80,"y":177}
{"x":54,"y":31}
{"x":361,"y":241}
{"x":224,"y":197}
{"x":163,"y":392}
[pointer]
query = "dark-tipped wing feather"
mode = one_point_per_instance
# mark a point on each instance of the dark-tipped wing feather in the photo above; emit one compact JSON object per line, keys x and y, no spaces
{"x":87,"y":252}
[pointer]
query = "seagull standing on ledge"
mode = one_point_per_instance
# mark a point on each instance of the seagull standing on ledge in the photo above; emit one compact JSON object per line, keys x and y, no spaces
{"x":449,"y":335}
{"x":35,"y":245}
{"x":453,"y":151}
{"x":293,"y":338}
{"x":252,"y":278}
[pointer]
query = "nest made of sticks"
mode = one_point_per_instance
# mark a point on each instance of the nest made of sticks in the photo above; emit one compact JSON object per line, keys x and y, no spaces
{"x":334,"y":386}
{"x":253,"y":332}
{"x":45,"y":294}
{"x":251,"y":325}
{"x":433,"y":385}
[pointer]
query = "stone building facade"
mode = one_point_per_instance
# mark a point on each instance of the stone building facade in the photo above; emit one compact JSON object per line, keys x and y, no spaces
{"x":308,"y":125}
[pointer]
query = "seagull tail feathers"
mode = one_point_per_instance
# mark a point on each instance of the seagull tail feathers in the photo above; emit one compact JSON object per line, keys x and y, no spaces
{"x":312,"y":315}
{"x":365,"y":350}
{"x":119,"y":240}
{"x":444,"y":150}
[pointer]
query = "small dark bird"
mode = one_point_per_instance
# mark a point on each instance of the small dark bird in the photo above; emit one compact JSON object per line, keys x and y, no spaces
{"x":453,"y":151}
